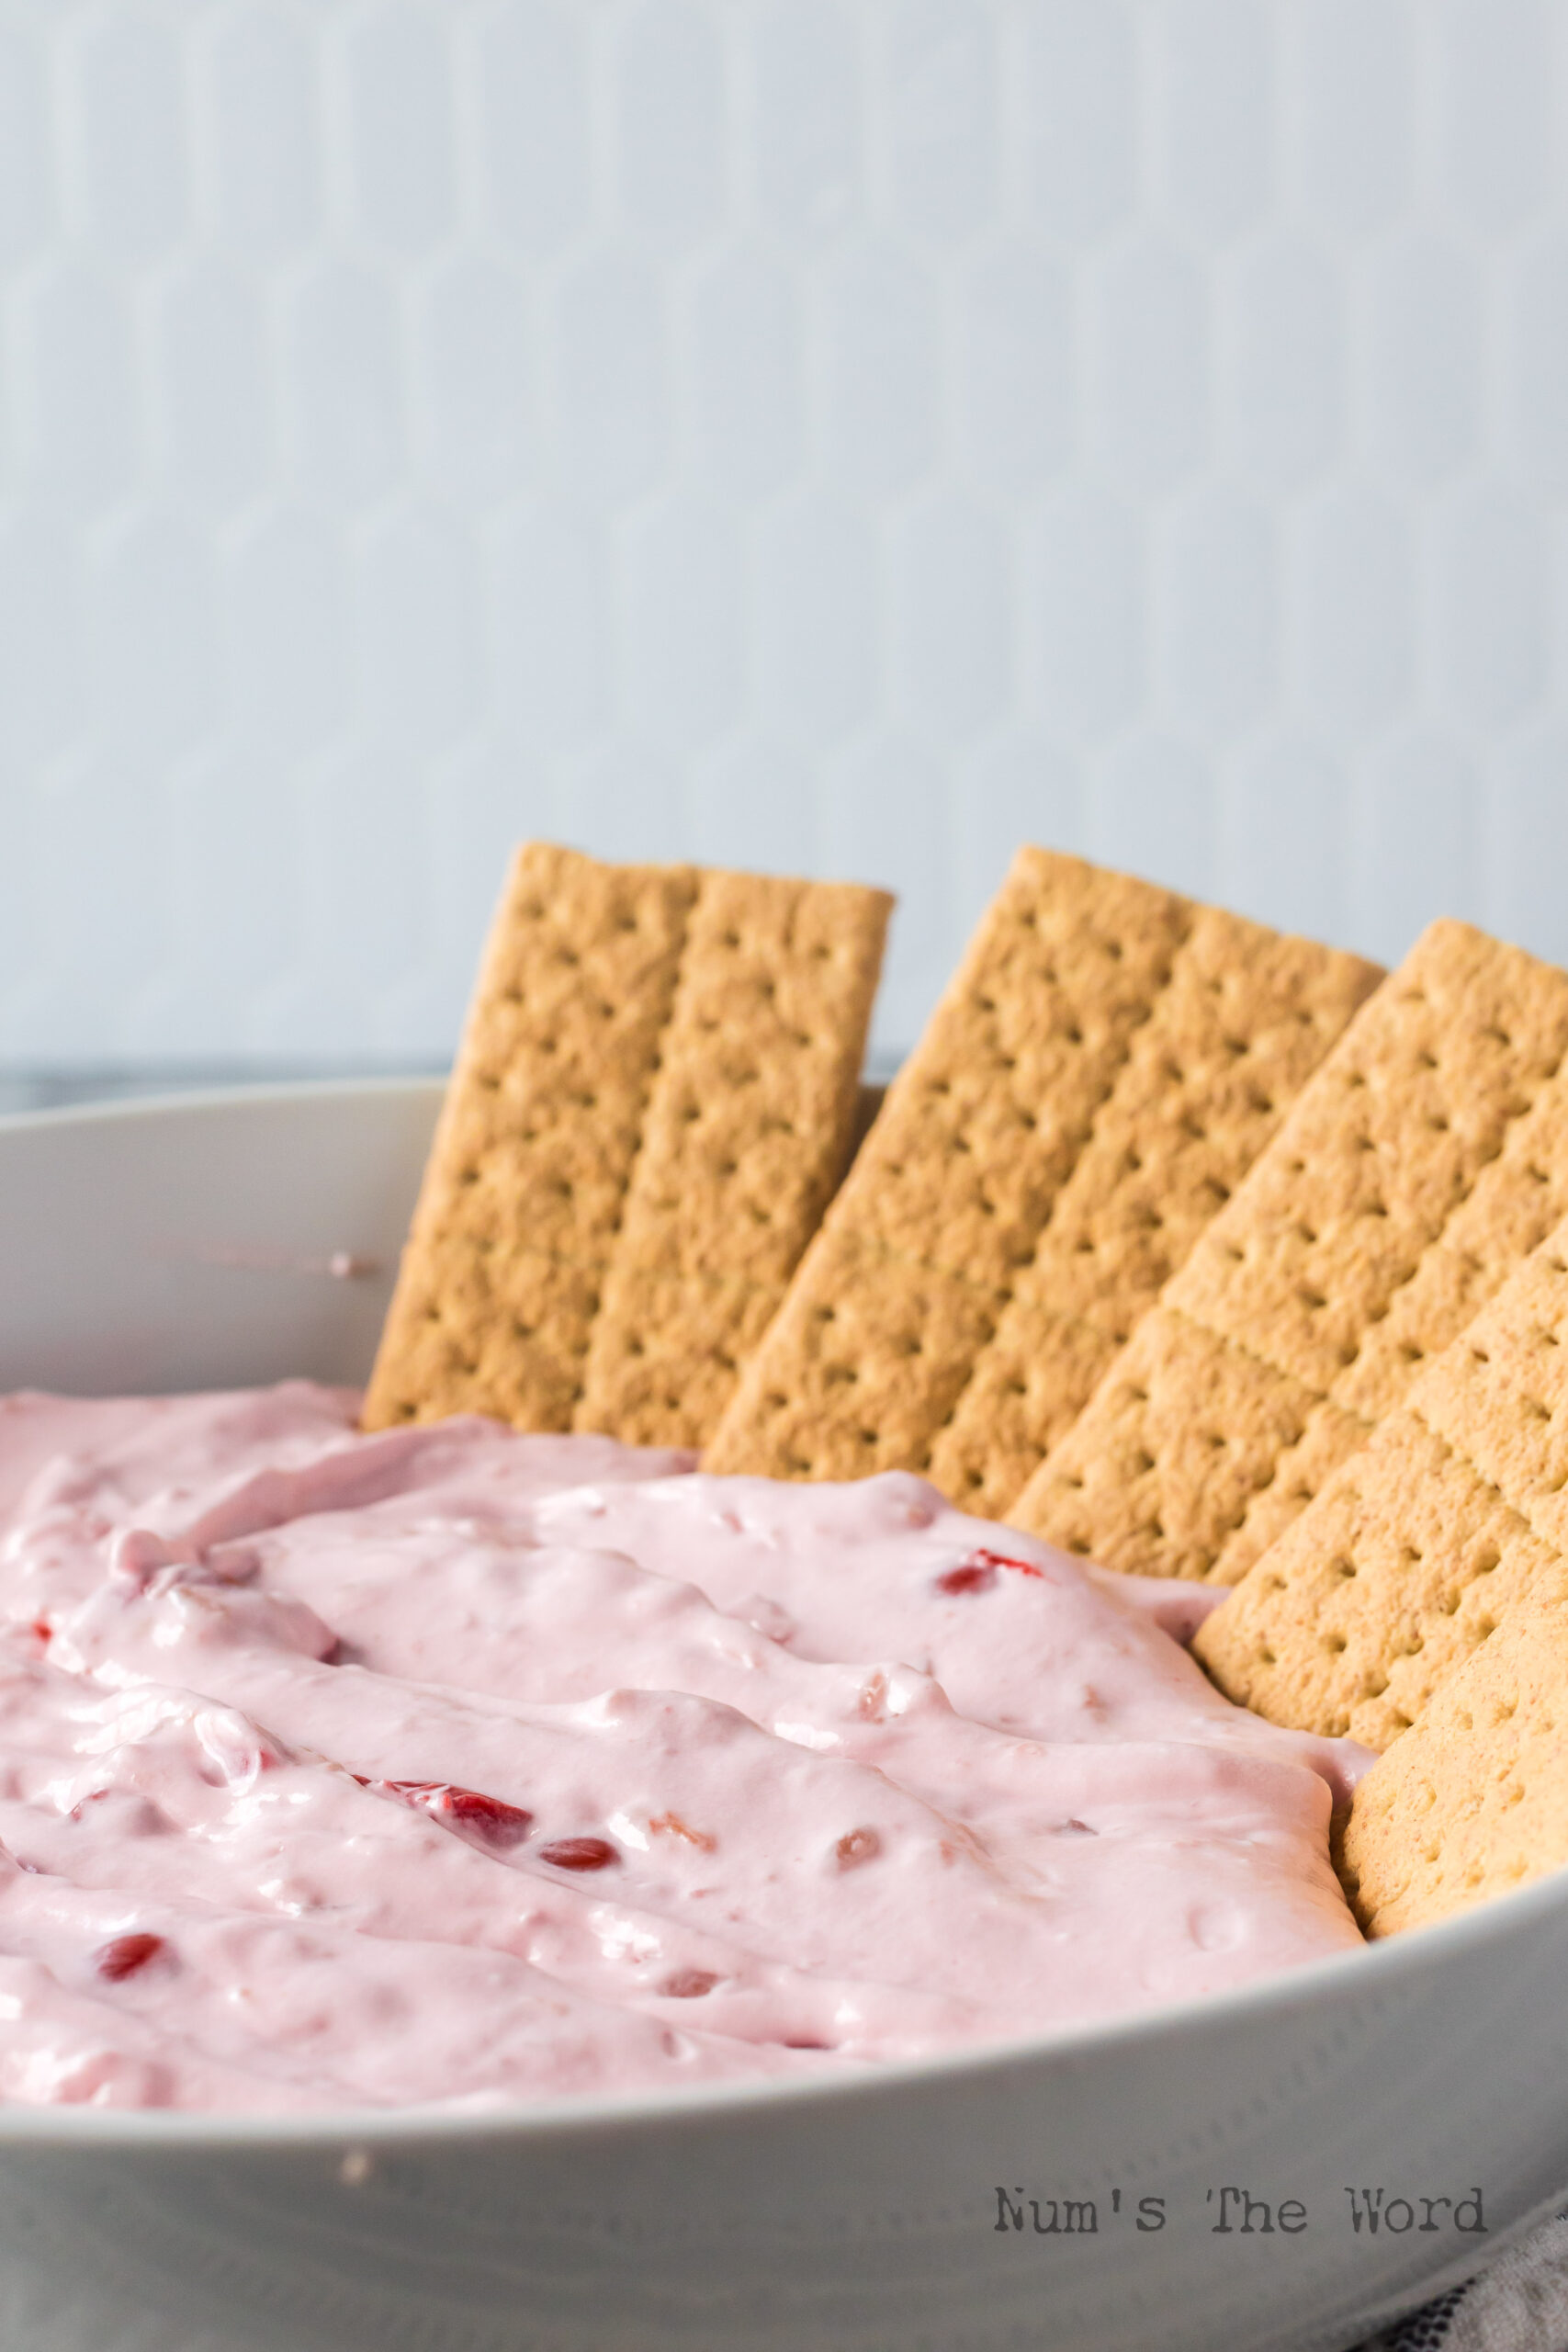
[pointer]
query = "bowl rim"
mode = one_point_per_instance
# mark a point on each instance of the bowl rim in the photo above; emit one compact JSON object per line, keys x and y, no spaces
{"x":595,"y":2115}
{"x":272,"y":1092}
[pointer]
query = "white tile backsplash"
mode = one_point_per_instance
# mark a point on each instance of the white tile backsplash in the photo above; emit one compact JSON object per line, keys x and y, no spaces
{"x":132,"y":158}
{"x":847,"y":434}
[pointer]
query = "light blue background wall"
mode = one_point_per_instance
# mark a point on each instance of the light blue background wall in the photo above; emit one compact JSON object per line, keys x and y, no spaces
{"x":847,"y":434}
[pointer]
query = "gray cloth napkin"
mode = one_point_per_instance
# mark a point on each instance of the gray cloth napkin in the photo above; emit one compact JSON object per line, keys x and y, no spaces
{"x":1520,"y":2303}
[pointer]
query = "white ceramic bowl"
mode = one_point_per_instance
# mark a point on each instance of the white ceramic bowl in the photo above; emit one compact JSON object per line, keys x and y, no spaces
{"x":193,"y":1244}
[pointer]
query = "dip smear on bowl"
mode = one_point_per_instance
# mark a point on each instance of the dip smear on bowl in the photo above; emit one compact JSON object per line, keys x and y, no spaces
{"x":454,"y":1765}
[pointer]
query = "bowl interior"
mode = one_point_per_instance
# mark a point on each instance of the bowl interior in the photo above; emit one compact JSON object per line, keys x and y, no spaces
{"x":210,"y":1241}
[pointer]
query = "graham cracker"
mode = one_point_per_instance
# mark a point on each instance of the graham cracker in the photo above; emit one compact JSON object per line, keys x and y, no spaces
{"x":1500,"y":1394}
{"x":875,"y":1351}
{"x":1103,"y":1068}
{"x":1474,"y":1800}
{"x":1187,"y":1432}
{"x":655,"y":1094}
{"x":1427,"y":1151}
{"x":1452,"y":1518}
{"x":1401,"y":1567}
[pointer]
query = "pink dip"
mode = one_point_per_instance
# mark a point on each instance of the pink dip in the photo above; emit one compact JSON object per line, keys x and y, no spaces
{"x":456,"y":1766}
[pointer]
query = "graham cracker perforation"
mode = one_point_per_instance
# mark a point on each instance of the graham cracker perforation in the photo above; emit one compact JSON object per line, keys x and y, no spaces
{"x":1451,"y":1518}
{"x":1098,"y":1075}
{"x":1389,"y":1206}
{"x":971,"y":1479}
{"x":1471,"y":1801}
{"x":657,"y":1091}
{"x":1190,"y":1437}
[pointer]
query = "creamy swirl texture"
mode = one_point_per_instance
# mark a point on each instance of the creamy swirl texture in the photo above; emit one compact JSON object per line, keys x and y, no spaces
{"x":454,"y":1765}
